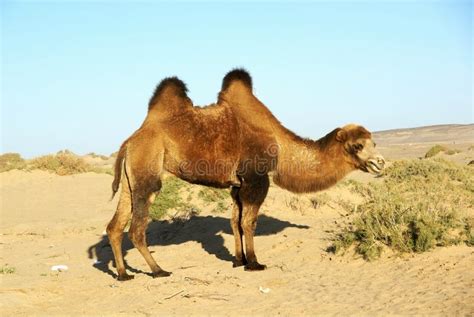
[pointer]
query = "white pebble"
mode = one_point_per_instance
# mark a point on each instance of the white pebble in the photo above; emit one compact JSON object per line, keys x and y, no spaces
{"x":59,"y":268}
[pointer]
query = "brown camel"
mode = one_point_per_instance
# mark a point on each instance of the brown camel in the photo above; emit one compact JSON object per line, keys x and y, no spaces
{"x":234,"y":143}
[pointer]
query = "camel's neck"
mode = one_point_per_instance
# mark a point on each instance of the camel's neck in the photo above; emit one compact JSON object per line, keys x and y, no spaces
{"x":308,"y":166}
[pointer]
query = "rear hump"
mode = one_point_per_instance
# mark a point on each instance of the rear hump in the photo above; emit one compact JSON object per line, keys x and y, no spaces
{"x":237,"y":74}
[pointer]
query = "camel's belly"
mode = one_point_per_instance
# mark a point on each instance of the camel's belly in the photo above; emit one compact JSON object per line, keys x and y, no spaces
{"x":215,"y":173}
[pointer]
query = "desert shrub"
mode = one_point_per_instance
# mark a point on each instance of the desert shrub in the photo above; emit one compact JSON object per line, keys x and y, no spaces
{"x":61,"y":164}
{"x":357,"y":187}
{"x":210,"y":195}
{"x":10,"y":161}
{"x":319,"y":200}
{"x":439,"y":148}
{"x":420,"y":205}
{"x":102,"y":170}
{"x":221,"y":207}
{"x":66,"y":152}
{"x":169,"y":198}
{"x":452,"y":151}
{"x":114,"y":154}
{"x":435,"y":150}
{"x":95,"y":155}
{"x":294,"y":203}
{"x":6,"y":269}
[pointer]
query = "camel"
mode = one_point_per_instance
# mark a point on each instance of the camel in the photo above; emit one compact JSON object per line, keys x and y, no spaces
{"x":235,"y":143}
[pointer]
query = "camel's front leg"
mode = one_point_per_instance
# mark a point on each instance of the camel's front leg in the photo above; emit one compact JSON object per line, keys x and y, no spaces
{"x":249,"y":224}
{"x":252,"y":194}
{"x":237,"y":228}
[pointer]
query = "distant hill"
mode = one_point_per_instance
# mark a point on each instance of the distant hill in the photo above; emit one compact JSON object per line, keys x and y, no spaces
{"x":415,"y":142}
{"x":447,"y":133}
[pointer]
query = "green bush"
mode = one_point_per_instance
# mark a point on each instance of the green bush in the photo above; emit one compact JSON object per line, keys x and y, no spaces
{"x":169,"y":198}
{"x":435,"y":150}
{"x":452,"y":151}
{"x":420,"y":205}
{"x":438,"y":149}
{"x":210,"y":195}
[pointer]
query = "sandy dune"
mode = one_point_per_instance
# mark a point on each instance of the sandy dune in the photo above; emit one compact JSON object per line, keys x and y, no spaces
{"x":48,"y":220}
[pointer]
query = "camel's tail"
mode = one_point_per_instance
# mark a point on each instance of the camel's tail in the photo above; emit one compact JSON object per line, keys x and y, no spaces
{"x":118,"y":169}
{"x":237,"y":74}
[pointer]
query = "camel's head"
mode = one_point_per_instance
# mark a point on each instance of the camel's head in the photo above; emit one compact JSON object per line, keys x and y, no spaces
{"x":360,"y":149}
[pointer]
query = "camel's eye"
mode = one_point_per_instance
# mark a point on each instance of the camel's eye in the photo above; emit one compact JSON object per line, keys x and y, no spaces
{"x":358,"y":146}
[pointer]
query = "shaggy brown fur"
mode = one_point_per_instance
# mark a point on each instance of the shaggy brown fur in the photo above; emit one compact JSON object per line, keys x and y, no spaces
{"x":237,"y":74}
{"x":235,"y":143}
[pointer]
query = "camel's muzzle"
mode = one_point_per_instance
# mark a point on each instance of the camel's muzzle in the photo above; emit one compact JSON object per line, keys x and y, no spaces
{"x":376,"y":165}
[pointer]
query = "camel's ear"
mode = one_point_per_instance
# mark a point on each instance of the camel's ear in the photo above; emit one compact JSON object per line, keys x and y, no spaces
{"x":341,"y":136}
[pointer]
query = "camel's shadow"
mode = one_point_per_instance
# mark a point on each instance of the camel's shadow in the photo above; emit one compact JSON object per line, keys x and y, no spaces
{"x":203,"y":229}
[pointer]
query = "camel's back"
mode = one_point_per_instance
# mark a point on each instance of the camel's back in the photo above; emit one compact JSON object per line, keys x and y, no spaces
{"x":202,"y":145}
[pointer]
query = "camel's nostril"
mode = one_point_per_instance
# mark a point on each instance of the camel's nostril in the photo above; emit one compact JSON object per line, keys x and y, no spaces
{"x":381,"y":161}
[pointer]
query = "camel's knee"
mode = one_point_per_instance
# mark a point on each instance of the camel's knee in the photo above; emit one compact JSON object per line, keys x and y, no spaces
{"x":235,"y":220}
{"x":249,"y":224}
{"x":113,"y":229}
{"x":137,"y":234}
{"x":110,"y":229}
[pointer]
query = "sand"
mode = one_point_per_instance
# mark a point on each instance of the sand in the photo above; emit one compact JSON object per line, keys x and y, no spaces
{"x":48,"y":220}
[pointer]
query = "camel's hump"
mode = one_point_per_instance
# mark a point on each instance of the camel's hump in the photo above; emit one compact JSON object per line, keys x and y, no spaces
{"x":237,"y":74}
{"x":178,"y":86}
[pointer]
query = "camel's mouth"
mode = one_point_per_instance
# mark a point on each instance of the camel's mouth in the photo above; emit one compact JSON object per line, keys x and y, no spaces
{"x":375,"y":166}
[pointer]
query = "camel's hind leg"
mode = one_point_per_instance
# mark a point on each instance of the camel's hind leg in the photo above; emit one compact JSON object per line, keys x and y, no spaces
{"x":115,"y":230}
{"x":138,"y":228}
{"x":237,"y":228}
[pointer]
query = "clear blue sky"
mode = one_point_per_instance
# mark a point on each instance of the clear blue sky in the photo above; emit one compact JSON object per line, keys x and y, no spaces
{"x":79,"y":75}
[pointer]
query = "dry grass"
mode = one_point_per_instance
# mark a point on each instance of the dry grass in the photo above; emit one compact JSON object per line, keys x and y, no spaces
{"x":319,"y":200}
{"x":420,"y":205}
{"x":10,"y":161}
{"x":65,"y":163}
{"x":61,"y":164}
{"x":95,"y":155}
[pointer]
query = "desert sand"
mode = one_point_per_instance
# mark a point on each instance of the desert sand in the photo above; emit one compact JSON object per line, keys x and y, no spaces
{"x":50,"y":220}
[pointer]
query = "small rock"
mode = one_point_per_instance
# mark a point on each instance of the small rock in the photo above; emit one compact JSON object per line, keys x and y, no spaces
{"x":59,"y":268}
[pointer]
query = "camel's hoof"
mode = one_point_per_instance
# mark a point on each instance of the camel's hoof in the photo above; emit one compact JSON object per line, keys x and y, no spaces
{"x":255,"y":266}
{"x":125,"y":277}
{"x":161,"y":273}
{"x":237,"y":263}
